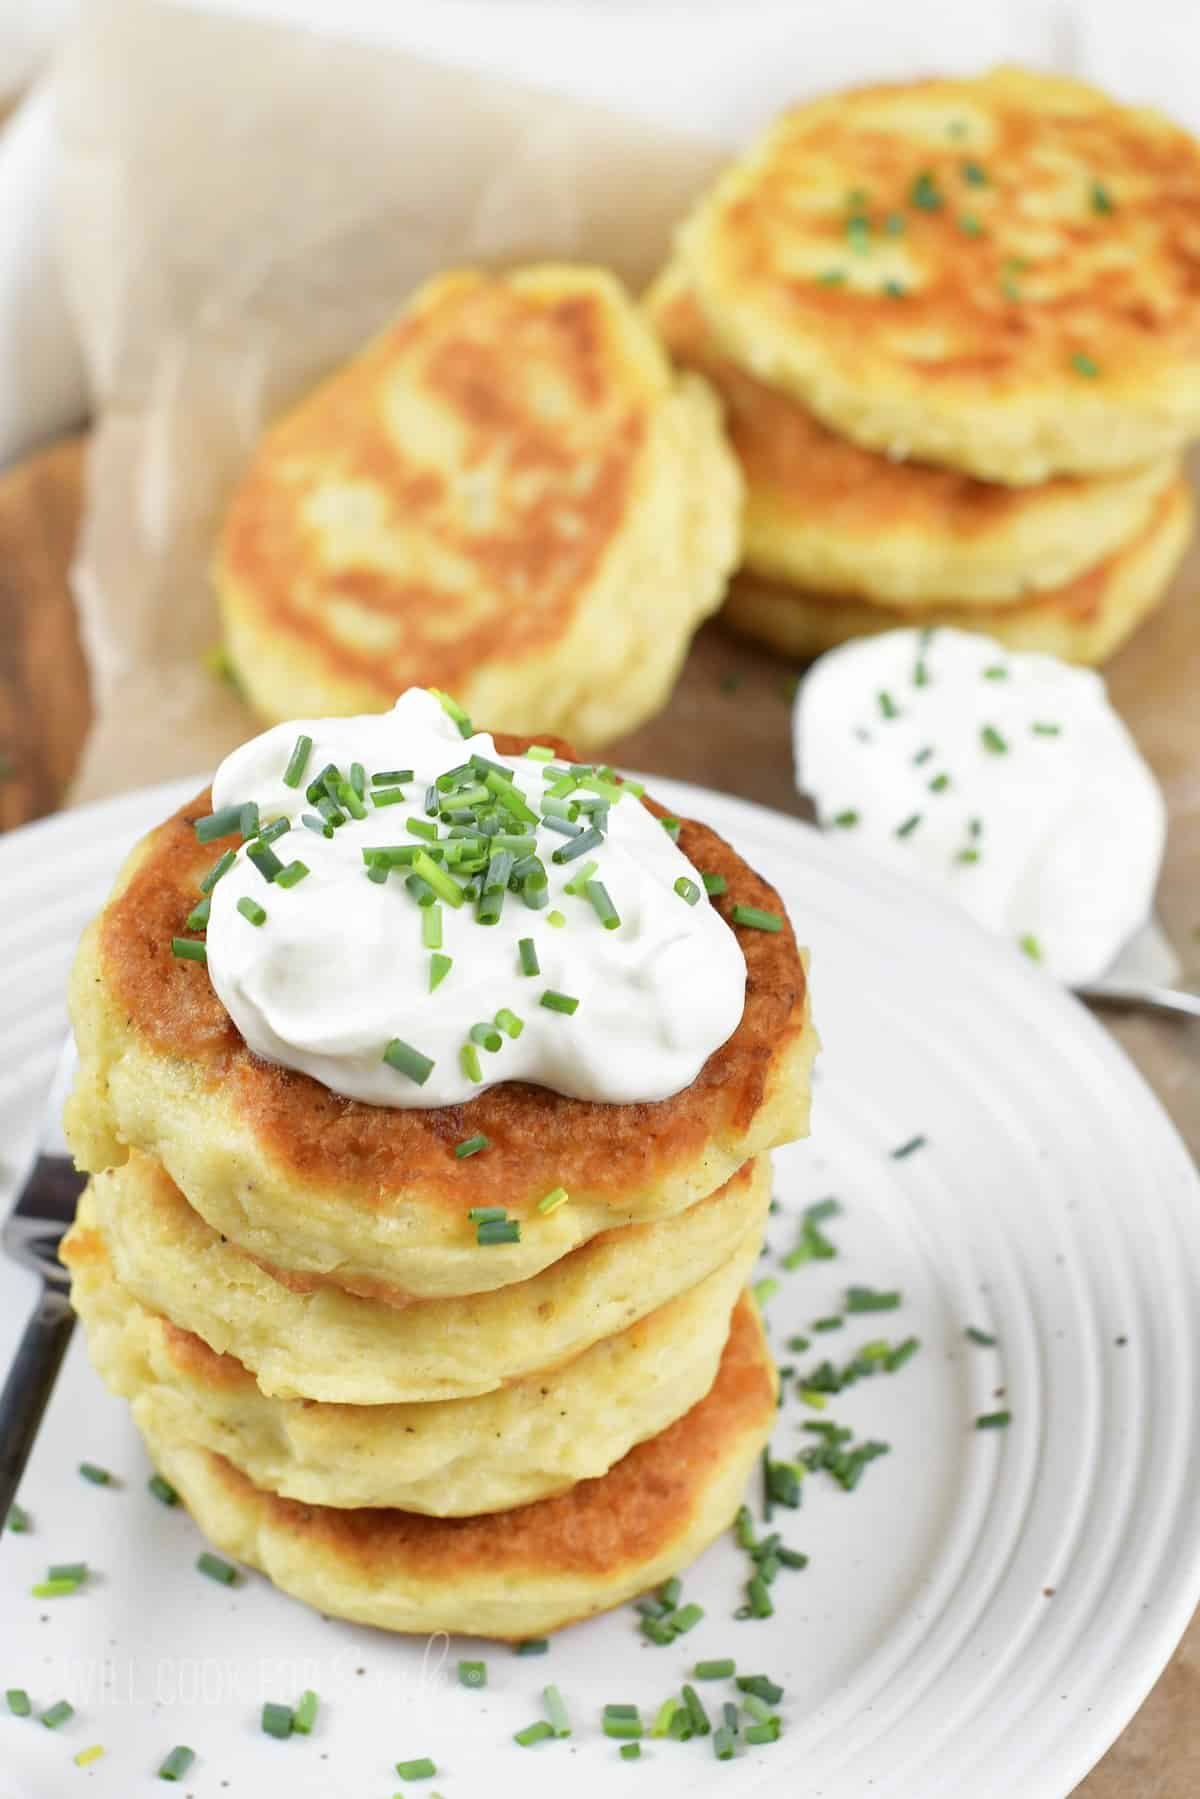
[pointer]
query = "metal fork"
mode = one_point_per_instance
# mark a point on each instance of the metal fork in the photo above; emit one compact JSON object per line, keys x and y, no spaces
{"x":32,"y":1233}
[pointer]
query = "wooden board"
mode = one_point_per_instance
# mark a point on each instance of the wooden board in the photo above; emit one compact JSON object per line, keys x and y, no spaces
{"x":728,"y":726}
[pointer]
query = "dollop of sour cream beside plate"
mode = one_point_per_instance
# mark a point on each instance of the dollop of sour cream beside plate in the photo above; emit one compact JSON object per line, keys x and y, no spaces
{"x":340,"y":967}
{"x":1005,"y":779}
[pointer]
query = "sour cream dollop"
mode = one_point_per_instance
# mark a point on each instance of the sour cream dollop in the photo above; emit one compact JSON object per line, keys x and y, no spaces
{"x":1005,"y":779}
{"x":339,"y":968}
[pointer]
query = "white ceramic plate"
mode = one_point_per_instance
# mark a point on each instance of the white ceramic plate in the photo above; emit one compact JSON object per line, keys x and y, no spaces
{"x":979,"y":1618}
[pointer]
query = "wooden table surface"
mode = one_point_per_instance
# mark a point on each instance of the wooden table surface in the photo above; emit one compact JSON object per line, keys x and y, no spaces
{"x":727,"y":726}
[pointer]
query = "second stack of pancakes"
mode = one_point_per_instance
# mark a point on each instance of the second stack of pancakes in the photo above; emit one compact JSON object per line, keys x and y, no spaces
{"x":958,"y":343}
{"x":350,"y":1387}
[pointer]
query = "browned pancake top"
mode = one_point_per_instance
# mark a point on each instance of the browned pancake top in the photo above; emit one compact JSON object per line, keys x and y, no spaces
{"x":600,"y":1526}
{"x":374,"y":1151}
{"x":445,"y":499}
{"x":1024,"y":220}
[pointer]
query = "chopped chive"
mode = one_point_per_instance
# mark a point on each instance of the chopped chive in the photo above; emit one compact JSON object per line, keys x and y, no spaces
{"x":220,"y":868}
{"x":305,"y":1714}
{"x":277,"y":1720}
{"x":992,"y":740}
{"x":218,"y":824}
{"x":483,"y":1214}
{"x":697,"y":1715}
{"x":1083,"y":364}
{"x":756,"y":919}
{"x":578,"y":846}
{"x":431,"y":928}
{"x":975,"y":174}
{"x":967,"y":856}
{"x":921,"y":673}
{"x":471,"y":1146}
{"x":1031,"y":947}
{"x":550,"y":1202}
{"x":556,"y":919}
{"x":687,"y":890}
{"x":663,"y":1716}
{"x":486,"y":1036}
{"x":761,"y":1733}
{"x":387,"y":796}
{"x":621,"y":1727}
{"x":177,"y":1763}
{"x":532,"y":1646}
{"x":321,"y":826}
{"x":887,"y":706}
{"x":533,"y":1733}
{"x":60,"y":1588}
{"x":348,"y":796}
{"x":99,"y":1477}
{"x":718,"y":1670}
{"x":939,"y":783}
{"x":392,"y":777}
{"x":1043,"y":730}
{"x":422,"y":1768}
{"x":18,"y":1702}
{"x":685,"y":1619}
{"x":422,"y":827}
{"x":443,"y":884}
{"x":984,"y":1339}
{"x":761,"y":1686}
{"x":603,"y":907}
{"x":909,"y":826}
{"x":869,"y":1299}
{"x":57,"y":1714}
{"x":251,"y":910}
{"x":406,"y":1060}
{"x":540,"y":752}
{"x":558,"y":1002}
{"x":714,"y":884}
{"x":723,"y":1743}
{"x":845,"y":821}
{"x":453,"y":710}
{"x":630,"y":1752}
{"x":358,"y":778}
{"x":162,"y":1490}
{"x":908,"y":1149}
{"x":902,"y":1353}
{"x":759,"y":1597}
{"x":764,"y":1290}
{"x":217,"y":1569}
{"x":672,"y":826}
{"x":497,"y":1230}
{"x":188,"y":949}
{"x":556,"y":1711}
{"x":757,"y":1708}
{"x":439,"y":966}
{"x":565,"y":809}
{"x":527,"y":950}
{"x":578,"y":883}
{"x":993,"y":1421}
{"x":509,"y":1023}
{"x":76,"y":1571}
{"x":278,"y":827}
{"x":292,"y":875}
{"x":468,"y":1061}
{"x":924,"y":193}
{"x":472,"y":1674}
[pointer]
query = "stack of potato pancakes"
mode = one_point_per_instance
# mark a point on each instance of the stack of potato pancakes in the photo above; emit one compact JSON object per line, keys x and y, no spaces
{"x":346,"y":1374}
{"x":956,"y":326}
